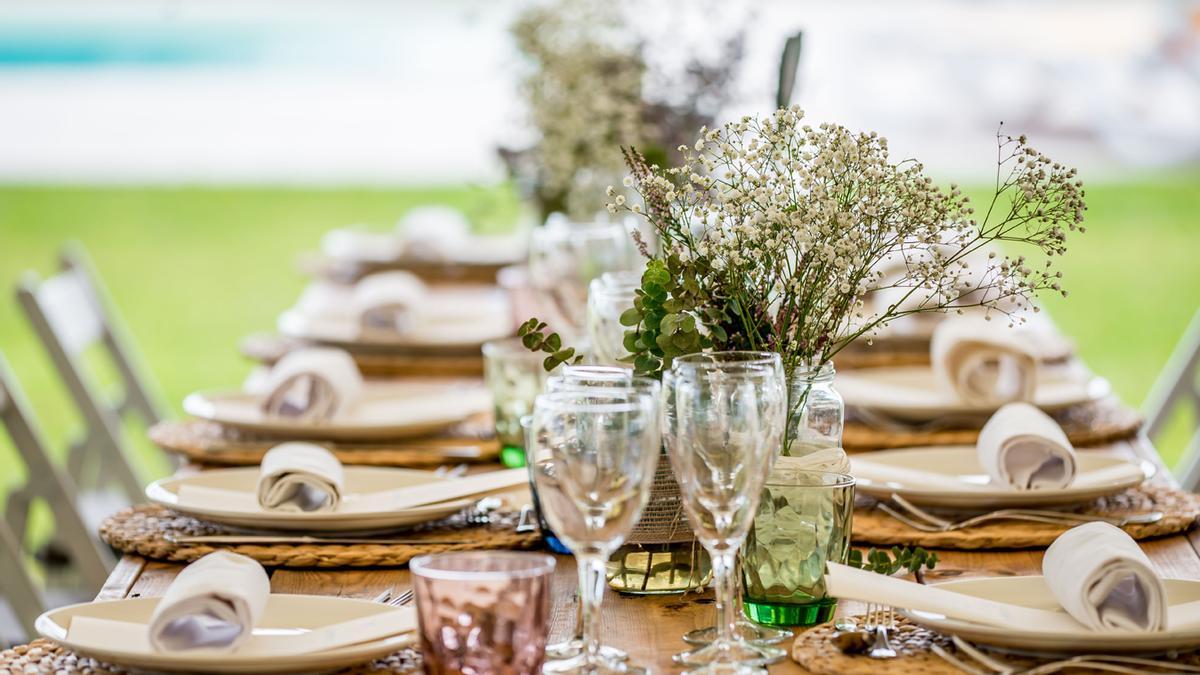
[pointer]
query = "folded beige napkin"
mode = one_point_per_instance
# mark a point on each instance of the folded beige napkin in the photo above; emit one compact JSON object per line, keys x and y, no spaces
{"x":300,"y":477}
{"x":357,"y":244}
{"x":214,"y":603}
{"x":984,"y":362}
{"x":387,"y":302}
{"x":1102,"y":577}
{"x":1022,"y":447}
{"x":311,"y":385}
{"x":434,"y":232}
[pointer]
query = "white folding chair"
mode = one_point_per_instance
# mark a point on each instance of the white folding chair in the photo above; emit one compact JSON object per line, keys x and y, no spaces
{"x":45,"y":481}
{"x":70,"y":313}
{"x":16,"y":584}
{"x":1177,"y":384}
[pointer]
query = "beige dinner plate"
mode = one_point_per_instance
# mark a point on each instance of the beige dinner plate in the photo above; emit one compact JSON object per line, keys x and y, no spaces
{"x":242,"y":509}
{"x":1033,"y":592}
{"x":453,"y":320}
{"x":913,"y":393}
{"x":284,"y":614}
{"x":1096,"y":475}
{"x":386,"y":410}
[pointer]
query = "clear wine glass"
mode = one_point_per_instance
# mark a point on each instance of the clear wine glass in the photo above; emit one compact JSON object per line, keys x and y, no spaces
{"x":724,"y":419}
{"x":593,"y":456}
{"x":743,"y":627}
{"x":575,"y":378}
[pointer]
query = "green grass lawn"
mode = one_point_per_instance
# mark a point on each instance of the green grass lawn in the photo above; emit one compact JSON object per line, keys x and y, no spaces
{"x":194,"y":269}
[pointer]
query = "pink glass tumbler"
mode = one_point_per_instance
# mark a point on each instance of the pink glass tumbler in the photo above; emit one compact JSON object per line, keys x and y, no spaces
{"x":483,"y":611}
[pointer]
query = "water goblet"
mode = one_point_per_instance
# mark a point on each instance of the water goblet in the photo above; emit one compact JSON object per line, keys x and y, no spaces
{"x":724,"y":418}
{"x":592,"y":454}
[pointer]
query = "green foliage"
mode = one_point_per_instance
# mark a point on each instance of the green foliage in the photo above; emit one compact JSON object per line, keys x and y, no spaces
{"x":533,"y":335}
{"x":899,"y":558}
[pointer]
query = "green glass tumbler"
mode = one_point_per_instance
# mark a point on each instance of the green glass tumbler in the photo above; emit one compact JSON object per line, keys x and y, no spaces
{"x":514,"y":377}
{"x":803,"y":521}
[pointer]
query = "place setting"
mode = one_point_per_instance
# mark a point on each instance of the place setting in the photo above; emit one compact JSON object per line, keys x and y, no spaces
{"x":392,"y":323}
{"x":1021,"y":485}
{"x":319,"y":394}
{"x":302,"y":508}
{"x":436,"y":243}
{"x":1100,"y":604}
{"x":976,"y":365}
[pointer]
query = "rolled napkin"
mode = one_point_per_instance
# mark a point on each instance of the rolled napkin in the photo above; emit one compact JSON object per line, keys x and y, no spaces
{"x":983,"y":362}
{"x":214,"y":603}
{"x":433,"y":232}
{"x":312,"y":385}
{"x":300,"y":477}
{"x":1023,"y":447}
{"x":387,"y":302}
{"x":1103,"y":579}
{"x":356,"y":244}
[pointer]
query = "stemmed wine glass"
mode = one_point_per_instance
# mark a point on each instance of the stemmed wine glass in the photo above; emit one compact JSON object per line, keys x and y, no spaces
{"x":593,"y":454}
{"x":724,"y":415}
{"x":575,"y":378}
{"x":744,"y":628}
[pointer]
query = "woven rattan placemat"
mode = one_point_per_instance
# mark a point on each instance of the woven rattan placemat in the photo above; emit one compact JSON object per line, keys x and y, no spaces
{"x":1092,"y":423}
{"x":149,"y":531}
{"x":1180,"y":511}
{"x":209,"y":443}
{"x":820,"y":652}
{"x":269,"y":348}
{"x":44,"y":656}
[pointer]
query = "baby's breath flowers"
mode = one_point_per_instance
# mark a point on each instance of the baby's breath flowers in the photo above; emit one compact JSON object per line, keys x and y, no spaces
{"x":592,"y":87}
{"x":777,"y":235}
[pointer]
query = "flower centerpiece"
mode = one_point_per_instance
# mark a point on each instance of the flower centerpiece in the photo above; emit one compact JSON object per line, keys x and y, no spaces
{"x":593,"y":86}
{"x":776,"y":235}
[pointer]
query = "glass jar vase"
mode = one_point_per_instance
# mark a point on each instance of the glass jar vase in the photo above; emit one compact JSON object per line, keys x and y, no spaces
{"x":609,"y":296}
{"x":816,"y":411}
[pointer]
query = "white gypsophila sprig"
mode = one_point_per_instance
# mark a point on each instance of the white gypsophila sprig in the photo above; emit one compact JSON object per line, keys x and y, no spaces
{"x":813,"y":236}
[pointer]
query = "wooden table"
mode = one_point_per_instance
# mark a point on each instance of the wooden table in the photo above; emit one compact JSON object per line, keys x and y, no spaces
{"x":650,"y":627}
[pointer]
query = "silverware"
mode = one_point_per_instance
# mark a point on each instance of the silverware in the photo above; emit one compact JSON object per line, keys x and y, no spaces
{"x":525,"y":522}
{"x":301,"y":539}
{"x":446,"y":471}
{"x":920,"y":519}
{"x":398,"y":601}
{"x":879,"y":622}
{"x":976,"y":662}
{"x":483,"y":511}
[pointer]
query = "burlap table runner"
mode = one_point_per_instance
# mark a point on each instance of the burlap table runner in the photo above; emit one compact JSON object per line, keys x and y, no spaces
{"x":268,"y":348}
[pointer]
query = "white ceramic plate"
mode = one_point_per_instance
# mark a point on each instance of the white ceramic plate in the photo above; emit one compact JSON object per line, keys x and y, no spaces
{"x":1096,"y":475}
{"x":387,"y":410}
{"x":1033,"y":592}
{"x":244,"y":511}
{"x":913,"y":393}
{"x":284,"y":613}
{"x":454,"y":320}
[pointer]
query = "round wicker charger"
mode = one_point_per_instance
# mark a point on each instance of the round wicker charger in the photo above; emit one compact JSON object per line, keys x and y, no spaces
{"x":820,"y":652}
{"x":269,"y":348}
{"x":1180,"y":511}
{"x":1092,"y":423}
{"x":148,"y":530}
{"x":45,"y":656}
{"x":209,"y":443}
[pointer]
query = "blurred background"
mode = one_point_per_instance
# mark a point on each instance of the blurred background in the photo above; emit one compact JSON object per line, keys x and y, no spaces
{"x":196,"y":148}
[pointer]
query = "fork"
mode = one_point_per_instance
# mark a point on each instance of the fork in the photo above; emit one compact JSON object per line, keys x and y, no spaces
{"x":399,"y":601}
{"x":982,"y":664}
{"x":878,"y":624}
{"x":929,"y":522}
